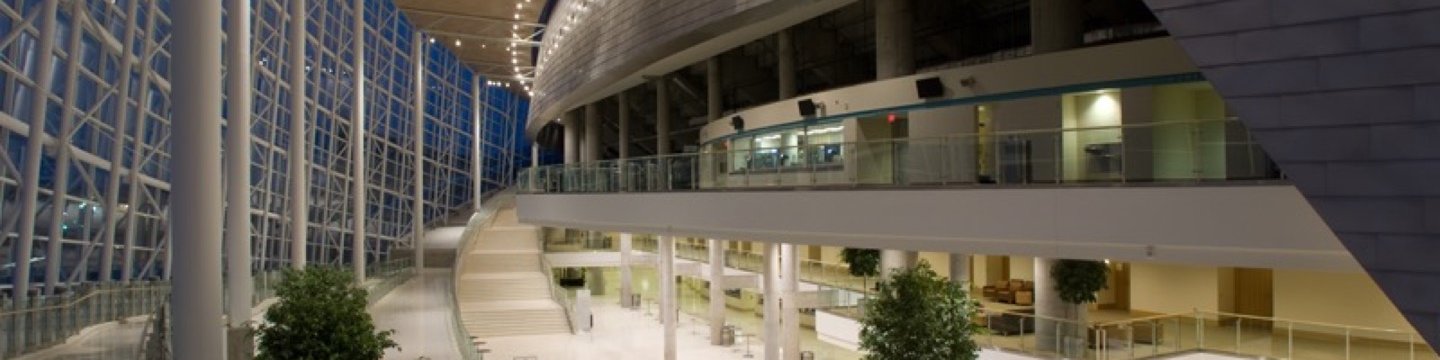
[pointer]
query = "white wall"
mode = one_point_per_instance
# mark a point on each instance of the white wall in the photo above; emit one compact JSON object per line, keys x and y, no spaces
{"x":1169,"y":289}
{"x":1242,"y":226}
{"x":940,"y":262}
{"x":1022,"y":268}
{"x":1332,"y":297}
{"x":837,"y":330}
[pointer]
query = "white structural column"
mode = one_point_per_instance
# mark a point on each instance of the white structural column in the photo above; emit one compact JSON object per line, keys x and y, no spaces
{"x":534,"y":164}
{"x":960,"y":270}
{"x":1047,"y":305}
{"x":714,"y":103}
{"x":626,"y":284}
{"x":1056,"y":25}
{"x":771,"y":299}
{"x":592,"y":132}
{"x":417,"y":207}
{"x":572,"y":137}
{"x":239,"y":91}
{"x":30,"y":183}
{"x":477,"y":155}
{"x":359,"y":179}
{"x":133,"y":199}
{"x":623,"y":144}
{"x":789,"y":303}
{"x":891,"y":260}
{"x":669,"y":311}
{"x":59,"y":199}
{"x":662,"y":116}
{"x":717,"y":289}
{"x":299,"y":151}
{"x":117,"y":150}
{"x":195,"y":205}
{"x":894,"y":57}
{"x":894,"y":47}
{"x":785,"y":65}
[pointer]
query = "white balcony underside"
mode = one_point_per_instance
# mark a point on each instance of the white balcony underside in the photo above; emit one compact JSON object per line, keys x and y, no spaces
{"x":1269,"y":226}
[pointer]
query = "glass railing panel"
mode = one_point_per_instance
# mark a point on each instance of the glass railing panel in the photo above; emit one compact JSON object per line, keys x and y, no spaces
{"x":1176,"y":151}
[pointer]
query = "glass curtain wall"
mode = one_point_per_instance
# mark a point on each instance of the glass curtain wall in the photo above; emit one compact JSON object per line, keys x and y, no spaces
{"x":108,"y":121}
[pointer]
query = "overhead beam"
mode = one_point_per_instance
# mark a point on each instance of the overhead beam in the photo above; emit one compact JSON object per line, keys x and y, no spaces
{"x":467,"y":17}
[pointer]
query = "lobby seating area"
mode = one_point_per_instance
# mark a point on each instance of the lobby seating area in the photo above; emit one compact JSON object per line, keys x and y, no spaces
{"x":1014,"y":291}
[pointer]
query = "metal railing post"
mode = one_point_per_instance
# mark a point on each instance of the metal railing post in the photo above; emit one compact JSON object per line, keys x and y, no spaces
{"x":1290,"y":340}
{"x":1238,"y":330}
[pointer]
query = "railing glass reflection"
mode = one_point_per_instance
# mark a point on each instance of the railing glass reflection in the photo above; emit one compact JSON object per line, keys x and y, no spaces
{"x":1182,"y":151}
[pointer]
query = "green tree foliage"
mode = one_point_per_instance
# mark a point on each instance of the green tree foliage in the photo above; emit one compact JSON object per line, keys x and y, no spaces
{"x":320,"y":315}
{"x":1078,"y":280}
{"x":862,"y":262}
{"x":919,"y":315}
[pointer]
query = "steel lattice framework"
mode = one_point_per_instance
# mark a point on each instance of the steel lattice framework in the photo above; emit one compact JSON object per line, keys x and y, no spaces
{"x":106,"y":112}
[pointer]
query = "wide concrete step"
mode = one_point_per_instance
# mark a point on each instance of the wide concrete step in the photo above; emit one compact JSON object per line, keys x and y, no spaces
{"x":500,"y":263}
{"x":503,"y":290}
{"x":516,"y":323}
{"x":508,"y":239}
{"x":528,"y":274}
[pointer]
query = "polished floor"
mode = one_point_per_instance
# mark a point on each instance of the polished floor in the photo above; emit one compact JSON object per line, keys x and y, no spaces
{"x":419,"y":312}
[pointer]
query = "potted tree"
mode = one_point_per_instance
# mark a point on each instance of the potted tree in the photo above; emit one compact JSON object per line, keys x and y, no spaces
{"x":919,"y":315}
{"x":863,"y":263}
{"x":1076,"y":282}
{"x":320,"y":315}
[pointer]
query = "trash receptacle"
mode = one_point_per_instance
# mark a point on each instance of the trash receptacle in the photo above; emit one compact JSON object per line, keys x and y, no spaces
{"x":727,"y":335}
{"x":807,"y":355}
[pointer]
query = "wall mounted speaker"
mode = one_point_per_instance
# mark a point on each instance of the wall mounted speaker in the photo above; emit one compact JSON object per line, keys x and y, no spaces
{"x":807,"y":107}
{"x":738,"y":123}
{"x":928,"y":88}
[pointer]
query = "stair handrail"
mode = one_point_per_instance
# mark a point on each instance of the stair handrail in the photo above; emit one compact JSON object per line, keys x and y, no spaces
{"x":557,"y":293}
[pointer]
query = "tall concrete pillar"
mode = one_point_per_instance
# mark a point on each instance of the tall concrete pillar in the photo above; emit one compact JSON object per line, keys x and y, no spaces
{"x":894,"y":57}
{"x":299,"y":137}
{"x":572,"y":137}
{"x":785,"y":65}
{"x":127,"y":270}
{"x":771,"y":299}
{"x":240,"y":91}
{"x":627,"y":287}
{"x":662,"y":116}
{"x":669,"y":311}
{"x":624,"y":143}
{"x":892,"y":260}
{"x":1056,"y":25}
{"x":417,"y":207}
{"x":61,"y":175}
{"x":894,"y":33}
{"x":592,"y":132}
{"x":960,"y":269}
{"x":359,"y":178}
{"x":1048,"y":333}
{"x":717,"y":289}
{"x":789,"y":304}
{"x":117,"y":149}
{"x":713,"y":99}
{"x":30,"y":185}
{"x":196,"y":207}
{"x":477,"y":155}
{"x":534,"y":164}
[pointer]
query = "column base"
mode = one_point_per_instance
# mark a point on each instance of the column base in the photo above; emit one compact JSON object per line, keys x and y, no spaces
{"x":240,"y":343}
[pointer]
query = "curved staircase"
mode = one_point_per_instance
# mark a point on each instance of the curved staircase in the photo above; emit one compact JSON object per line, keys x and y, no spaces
{"x":500,"y":287}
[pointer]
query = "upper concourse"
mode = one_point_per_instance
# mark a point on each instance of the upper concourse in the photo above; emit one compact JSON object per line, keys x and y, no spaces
{"x":1082,"y":129}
